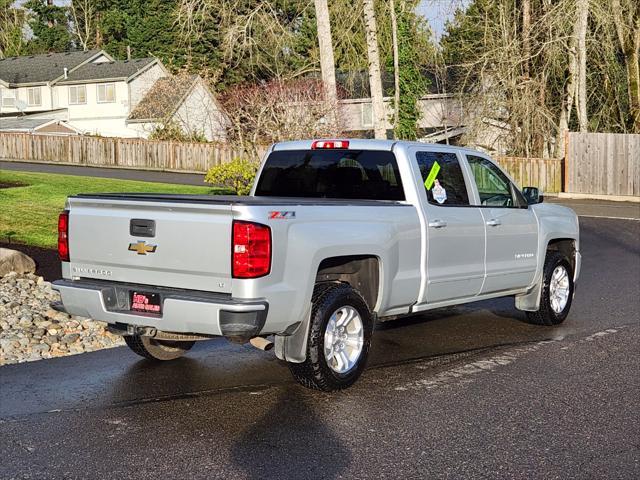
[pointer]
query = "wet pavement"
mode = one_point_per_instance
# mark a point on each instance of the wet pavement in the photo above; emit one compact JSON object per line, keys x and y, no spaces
{"x":465,"y":392}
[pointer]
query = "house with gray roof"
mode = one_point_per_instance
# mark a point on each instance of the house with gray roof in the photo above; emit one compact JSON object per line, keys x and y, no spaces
{"x":95,"y":94}
{"x":183,"y":100}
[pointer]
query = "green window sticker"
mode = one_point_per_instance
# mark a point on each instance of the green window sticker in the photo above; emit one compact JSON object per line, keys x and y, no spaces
{"x":435,"y":168}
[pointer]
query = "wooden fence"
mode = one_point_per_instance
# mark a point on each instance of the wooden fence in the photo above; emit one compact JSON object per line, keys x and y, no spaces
{"x":603,"y":164}
{"x":118,"y":152}
{"x":199,"y":157}
{"x":544,"y":173}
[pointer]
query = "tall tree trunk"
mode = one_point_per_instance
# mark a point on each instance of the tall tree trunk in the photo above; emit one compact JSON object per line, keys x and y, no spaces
{"x":526,"y":40}
{"x":633,"y":74}
{"x":396,"y":65}
{"x":629,"y":40}
{"x":581,"y":93}
{"x":375,"y":80}
{"x":327,"y":62}
{"x":570,"y":91}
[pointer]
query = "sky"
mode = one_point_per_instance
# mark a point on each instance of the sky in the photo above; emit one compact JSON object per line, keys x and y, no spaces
{"x":437,"y":12}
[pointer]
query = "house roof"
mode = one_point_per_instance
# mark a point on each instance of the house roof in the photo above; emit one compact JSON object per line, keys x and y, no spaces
{"x":27,"y":124}
{"x":41,"y":68}
{"x":118,"y":69}
{"x":164,"y":98}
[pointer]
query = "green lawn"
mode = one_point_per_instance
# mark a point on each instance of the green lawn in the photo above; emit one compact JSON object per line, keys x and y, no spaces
{"x":29,"y":213}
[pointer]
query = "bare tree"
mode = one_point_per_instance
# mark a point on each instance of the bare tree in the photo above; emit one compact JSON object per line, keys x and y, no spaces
{"x":582,"y":7}
{"x":257,"y":35}
{"x":327,"y":63}
{"x":84,"y":22}
{"x":12,"y":21}
{"x":375,"y":79}
{"x":277,"y":110}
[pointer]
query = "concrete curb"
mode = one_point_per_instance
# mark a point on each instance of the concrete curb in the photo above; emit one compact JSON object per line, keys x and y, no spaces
{"x":611,"y":198}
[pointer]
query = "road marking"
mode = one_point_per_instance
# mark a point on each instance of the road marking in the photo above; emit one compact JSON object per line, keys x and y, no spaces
{"x":615,"y":218}
{"x":466,"y":373}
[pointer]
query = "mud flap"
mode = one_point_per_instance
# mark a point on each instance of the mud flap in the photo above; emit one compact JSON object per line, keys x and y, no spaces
{"x":530,"y":302}
{"x":293,"y":347}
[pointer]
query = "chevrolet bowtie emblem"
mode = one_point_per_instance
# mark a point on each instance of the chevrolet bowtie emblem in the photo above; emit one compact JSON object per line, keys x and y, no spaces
{"x":142,"y":248}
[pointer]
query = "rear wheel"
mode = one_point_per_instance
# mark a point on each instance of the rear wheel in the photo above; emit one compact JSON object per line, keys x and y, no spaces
{"x":153,"y":349}
{"x":339,"y":339}
{"x":557,"y":291}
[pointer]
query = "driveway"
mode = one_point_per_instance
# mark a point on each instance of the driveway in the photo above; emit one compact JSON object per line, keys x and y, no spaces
{"x":465,"y":392}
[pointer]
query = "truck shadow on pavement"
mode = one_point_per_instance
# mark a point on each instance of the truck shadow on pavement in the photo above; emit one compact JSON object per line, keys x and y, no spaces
{"x":290,"y":440}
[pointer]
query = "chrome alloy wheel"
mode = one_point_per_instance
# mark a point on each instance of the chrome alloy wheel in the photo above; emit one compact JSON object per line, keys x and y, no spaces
{"x":559,"y":289}
{"x":343,"y":339}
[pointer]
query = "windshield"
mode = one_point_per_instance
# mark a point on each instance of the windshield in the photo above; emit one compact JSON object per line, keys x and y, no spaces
{"x":352,"y":174}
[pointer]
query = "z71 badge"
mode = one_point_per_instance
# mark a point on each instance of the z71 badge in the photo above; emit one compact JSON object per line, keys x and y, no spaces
{"x":281,"y":215}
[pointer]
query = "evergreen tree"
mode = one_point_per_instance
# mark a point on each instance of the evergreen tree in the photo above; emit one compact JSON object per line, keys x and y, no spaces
{"x":50,"y":26}
{"x":415,"y":53}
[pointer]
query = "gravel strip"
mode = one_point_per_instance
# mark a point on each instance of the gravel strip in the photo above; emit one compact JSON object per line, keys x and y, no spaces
{"x":31,"y":330}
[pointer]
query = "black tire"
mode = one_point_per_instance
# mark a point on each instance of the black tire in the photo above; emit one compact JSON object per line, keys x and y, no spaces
{"x":315,"y":372}
{"x":153,"y":349}
{"x":546,"y":314}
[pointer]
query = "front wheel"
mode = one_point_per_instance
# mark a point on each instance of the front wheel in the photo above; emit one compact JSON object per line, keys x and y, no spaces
{"x":153,"y":349}
{"x":557,"y":291}
{"x":339,"y":339}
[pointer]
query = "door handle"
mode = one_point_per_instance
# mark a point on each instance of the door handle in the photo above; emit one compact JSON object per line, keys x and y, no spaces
{"x":438,"y":224}
{"x":494,"y":223}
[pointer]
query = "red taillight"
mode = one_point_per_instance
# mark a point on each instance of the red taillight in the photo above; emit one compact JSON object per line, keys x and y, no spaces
{"x":63,"y":236}
{"x":251,"y":249}
{"x":330,"y":144}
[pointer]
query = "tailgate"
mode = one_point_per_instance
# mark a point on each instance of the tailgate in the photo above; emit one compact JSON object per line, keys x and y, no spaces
{"x":173,"y":244}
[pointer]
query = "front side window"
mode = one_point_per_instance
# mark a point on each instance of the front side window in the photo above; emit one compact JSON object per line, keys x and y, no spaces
{"x":106,"y":93}
{"x":8,"y":99}
{"x":443,"y":179}
{"x":494,"y":188}
{"x":77,"y":95}
{"x":34,"y":97}
{"x":349,"y":174}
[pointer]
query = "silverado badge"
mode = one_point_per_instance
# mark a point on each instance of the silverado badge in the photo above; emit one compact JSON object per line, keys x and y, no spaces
{"x":142,"y":248}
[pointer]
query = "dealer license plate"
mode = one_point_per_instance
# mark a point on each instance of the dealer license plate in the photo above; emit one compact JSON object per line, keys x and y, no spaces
{"x":146,"y":302}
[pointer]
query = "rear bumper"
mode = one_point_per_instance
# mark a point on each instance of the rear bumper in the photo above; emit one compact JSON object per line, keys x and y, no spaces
{"x":183,"y":311}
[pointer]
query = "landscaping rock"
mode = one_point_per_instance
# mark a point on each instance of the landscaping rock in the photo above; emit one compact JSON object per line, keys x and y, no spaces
{"x":31,"y":330}
{"x":14,"y":261}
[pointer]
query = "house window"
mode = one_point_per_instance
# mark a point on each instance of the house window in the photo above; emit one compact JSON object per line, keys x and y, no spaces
{"x":78,"y":95}
{"x":34,"y":97}
{"x":367,"y":115}
{"x":106,"y":93}
{"x":8,"y":99}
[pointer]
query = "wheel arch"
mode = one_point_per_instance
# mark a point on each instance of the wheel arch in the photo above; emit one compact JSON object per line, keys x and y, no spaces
{"x":566,"y":246}
{"x":362,"y":272}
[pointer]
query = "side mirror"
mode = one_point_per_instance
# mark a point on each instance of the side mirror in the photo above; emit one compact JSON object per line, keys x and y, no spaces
{"x":532,"y":195}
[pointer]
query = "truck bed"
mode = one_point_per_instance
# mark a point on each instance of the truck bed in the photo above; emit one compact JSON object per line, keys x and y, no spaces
{"x":236,"y":200}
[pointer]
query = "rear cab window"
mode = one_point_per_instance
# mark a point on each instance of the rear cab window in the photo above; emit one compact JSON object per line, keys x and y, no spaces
{"x":443,"y":178}
{"x":348,"y":174}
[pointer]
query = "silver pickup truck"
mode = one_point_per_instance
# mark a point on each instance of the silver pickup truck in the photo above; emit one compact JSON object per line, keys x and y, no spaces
{"x":336,"y":235}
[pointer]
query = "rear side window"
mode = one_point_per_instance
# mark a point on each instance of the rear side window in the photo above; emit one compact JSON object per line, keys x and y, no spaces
{"x":443,"y":178}
{"x":353,"y":174}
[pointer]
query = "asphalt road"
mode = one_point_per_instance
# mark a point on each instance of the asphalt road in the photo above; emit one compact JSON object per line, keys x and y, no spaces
{"x":466,"y":392}
{"x":121,"y":173}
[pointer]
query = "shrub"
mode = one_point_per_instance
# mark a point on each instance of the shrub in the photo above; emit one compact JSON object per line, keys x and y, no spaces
{"x":171,"y":131}
{"x":238,"y":174}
